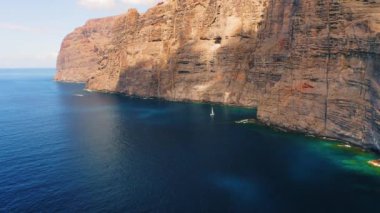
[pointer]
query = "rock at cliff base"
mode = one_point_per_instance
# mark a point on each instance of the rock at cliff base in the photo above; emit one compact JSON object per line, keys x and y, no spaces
{"x":375,"y":163}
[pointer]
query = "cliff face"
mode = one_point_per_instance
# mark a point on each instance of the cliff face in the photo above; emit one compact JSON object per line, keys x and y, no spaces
{"x":330,"y":80}
{"x":184,"y":50}
{"x":82,"y":49}
{"x":307,"y":65}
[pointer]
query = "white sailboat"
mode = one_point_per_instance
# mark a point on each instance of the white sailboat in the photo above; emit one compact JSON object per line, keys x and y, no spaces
{"x":212,"y":114}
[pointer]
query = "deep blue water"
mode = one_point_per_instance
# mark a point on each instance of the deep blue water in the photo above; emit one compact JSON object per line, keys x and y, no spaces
{"x":64,"y":149}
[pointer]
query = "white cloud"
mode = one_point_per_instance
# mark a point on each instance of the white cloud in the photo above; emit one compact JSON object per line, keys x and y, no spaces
{"x":141,"y":2}
{"x":112,"y":4}
{"x":97,"y":4}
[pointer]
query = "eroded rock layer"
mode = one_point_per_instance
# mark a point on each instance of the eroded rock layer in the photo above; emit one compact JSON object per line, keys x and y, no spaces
{"x":307,"y":65}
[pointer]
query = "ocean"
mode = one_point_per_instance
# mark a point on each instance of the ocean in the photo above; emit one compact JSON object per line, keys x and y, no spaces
{"x":63,"y":149}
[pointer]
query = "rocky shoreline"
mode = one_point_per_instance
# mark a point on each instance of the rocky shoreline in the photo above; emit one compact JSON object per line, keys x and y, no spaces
{"x":340,"y":143}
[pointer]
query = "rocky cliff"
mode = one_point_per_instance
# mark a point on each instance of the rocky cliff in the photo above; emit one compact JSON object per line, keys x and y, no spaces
{"x":81,"y":50}
{"x":308,"y":65}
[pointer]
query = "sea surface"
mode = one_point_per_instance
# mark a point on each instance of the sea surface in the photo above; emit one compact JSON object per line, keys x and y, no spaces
{"x":63,"y":149}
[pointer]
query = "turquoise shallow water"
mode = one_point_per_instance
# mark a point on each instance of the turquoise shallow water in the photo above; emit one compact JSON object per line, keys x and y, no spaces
{"x":67,"y":150}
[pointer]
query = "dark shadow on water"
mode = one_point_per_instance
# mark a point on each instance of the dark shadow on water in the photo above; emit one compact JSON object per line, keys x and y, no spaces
{"x":175,"y":157}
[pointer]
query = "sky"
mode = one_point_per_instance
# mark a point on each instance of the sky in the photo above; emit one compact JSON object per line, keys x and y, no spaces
{"x":31,"y":31}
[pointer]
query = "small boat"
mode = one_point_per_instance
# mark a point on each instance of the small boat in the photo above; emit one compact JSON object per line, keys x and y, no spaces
{"x":212,"y":114}
{"x":79,"y":95}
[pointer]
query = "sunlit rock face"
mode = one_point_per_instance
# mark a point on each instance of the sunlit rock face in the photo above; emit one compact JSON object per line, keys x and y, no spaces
{"x":184,"y":50}
{"x":308,"y":65}
{"x":82,"y":49}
